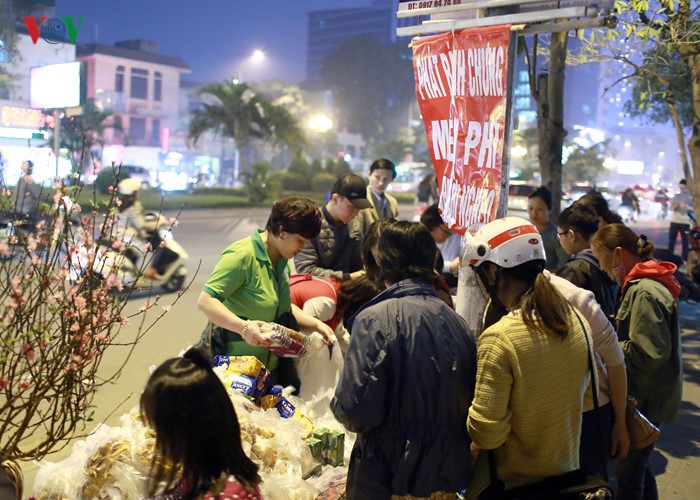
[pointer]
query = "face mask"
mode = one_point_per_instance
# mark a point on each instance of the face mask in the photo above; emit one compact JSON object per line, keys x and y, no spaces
{"x":619,"y":272}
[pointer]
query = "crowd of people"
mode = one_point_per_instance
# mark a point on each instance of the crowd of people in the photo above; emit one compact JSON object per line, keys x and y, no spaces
{"x":427,"y":396}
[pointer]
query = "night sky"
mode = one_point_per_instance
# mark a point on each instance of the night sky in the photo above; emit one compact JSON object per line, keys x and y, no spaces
{"x":212,"y":36}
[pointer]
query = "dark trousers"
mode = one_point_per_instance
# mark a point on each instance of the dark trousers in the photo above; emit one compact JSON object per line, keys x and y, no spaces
{"x":673,"y":231}
{"x":635,"y":477}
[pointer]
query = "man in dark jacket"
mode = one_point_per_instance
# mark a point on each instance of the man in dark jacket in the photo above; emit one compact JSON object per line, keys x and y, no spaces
{"x":408,"y":380}
{"x":575,"y":227}
{"x":335,"y":253}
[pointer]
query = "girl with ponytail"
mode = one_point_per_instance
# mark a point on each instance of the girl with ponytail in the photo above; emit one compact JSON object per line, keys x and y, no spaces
{"x":532,"y":365}
{"x":647,"y":327}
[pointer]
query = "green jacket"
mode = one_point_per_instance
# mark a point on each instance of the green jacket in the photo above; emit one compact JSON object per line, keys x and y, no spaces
{"x":649,"y":333}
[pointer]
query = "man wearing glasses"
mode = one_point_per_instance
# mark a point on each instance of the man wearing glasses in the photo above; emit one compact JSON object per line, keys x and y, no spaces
{"x":575,"y":226}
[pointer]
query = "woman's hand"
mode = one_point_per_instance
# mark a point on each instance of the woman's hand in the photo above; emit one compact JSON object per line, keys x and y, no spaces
{"x":252,"y":335}
{"x":619,"y":440}
{"x":326,"y":331}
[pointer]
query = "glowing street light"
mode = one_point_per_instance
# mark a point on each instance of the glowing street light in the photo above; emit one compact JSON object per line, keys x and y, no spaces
{"x":320,"y":123}
{"x":518,"y":151}
{"x":257,"y":58}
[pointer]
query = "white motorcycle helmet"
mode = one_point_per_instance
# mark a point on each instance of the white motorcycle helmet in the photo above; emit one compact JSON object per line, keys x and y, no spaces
{"x":507,"y":242}
{"x":128,"y":187}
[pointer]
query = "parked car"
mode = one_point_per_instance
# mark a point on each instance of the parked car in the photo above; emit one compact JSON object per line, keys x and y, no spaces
{"x":147,"y":177}
{"x":518,"y":192}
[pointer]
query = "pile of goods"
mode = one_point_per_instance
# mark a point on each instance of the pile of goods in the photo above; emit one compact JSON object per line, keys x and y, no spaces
{"x":297,"y":459}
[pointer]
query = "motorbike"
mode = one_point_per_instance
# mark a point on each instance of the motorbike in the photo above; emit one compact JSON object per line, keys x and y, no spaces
{"x":170,"y":261}
{"x":689,"y":278}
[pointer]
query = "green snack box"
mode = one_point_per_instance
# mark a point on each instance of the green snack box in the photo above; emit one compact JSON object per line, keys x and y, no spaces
{"x":316,"y":447}
{"x":319,"y":432}
{"x":332,"y":445}
{"x":334,"y":451}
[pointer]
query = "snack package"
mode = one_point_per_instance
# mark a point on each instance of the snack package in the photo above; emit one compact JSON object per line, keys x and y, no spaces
{"x":316,"y":448}
{"x":285,"y":341}
{"x":244,"y":384}
{"x":333,"y":446}
{"x":288,"y":410}
{"x":245,"y":374}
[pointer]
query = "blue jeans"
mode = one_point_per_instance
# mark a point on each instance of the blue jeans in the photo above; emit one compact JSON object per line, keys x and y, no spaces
{"x":590,"y":453}
{"x":635,"y":477}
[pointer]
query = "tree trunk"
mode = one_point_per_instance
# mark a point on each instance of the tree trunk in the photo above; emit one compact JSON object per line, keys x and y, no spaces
{"x":693,"y":62}
{"x":550,"y":119}
{"x":690,"y":52}
{"x":680,"y":137}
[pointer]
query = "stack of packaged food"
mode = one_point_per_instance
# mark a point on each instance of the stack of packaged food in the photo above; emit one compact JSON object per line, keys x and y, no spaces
{"x":296,"y":460}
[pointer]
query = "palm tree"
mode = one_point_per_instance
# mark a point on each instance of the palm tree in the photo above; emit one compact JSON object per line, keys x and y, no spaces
{"x":237,"y":111}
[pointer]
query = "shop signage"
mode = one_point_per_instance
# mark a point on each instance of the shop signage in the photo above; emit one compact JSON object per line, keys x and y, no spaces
{"x":11,"y":116}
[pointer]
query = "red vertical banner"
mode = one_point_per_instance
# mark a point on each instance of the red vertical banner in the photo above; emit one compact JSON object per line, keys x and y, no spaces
{"x":461,"y":86}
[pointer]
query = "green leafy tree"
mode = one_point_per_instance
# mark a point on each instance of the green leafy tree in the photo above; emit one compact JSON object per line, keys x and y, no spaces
{"x":585,"y":164}
{"x":232,"y":110}
{"x":8,"y":49}
{"x":302,"y":171}
{"x":341,"y":167}
{"x":372,"y":86}
{"x":667,"y":73}
{"x":258,"y":183}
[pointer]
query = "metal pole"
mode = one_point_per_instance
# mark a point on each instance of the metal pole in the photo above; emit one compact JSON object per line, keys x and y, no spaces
{"x":56,"y":137}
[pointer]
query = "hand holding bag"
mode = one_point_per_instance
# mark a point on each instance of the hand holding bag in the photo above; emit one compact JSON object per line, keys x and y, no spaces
{"x":641,"y":431}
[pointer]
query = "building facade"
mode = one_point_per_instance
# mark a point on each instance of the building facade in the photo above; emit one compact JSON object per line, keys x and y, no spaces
{"x":141,"y":88}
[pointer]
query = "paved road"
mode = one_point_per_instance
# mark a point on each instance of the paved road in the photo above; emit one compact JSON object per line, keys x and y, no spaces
{"x":205,"y":233}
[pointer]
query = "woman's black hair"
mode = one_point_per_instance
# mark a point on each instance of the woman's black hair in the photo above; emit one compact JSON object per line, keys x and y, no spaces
{"x":599,"y":204}
{"x":544,"y":194}
{"x":295,"y":215}
{"x":195,"y":424}
{"x":354,"y":294}
{"x":383,"y":163}
{"x":371,"y":239}
{"x":431,"y":218}
{"x":407,"y":250}
{"x":580,"y":218}
{"x":543,"y":307}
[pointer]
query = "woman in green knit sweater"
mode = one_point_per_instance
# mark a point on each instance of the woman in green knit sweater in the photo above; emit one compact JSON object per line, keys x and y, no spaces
{"x":532,"y":368}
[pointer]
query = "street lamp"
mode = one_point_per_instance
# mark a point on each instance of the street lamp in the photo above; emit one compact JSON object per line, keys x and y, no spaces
{"x":257,"y":57}
{"x":320,"y":123}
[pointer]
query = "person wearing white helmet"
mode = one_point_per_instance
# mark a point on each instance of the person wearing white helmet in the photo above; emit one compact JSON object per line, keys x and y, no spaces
{"x":131,"y":223}
{"x":532,"y":368}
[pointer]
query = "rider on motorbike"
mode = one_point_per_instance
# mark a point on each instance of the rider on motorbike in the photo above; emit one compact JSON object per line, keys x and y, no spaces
{"x":130,"y":227}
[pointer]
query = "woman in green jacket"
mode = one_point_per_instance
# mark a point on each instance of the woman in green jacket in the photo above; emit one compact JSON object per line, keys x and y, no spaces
{"x":649,"y":332}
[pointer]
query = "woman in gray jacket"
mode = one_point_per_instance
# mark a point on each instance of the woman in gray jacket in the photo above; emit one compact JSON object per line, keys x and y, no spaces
{"x":408,"y":380}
